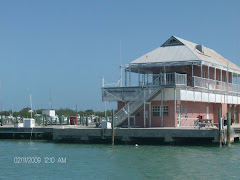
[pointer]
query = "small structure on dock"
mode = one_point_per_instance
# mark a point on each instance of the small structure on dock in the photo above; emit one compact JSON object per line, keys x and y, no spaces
{"x":177,"y":83}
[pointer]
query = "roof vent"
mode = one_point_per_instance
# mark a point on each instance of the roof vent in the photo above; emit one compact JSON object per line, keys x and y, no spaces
{"x":200,"y":48}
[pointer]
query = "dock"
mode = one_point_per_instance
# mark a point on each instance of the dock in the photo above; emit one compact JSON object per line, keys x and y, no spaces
{"x":91,"y":134}
{"x":122,"y":135}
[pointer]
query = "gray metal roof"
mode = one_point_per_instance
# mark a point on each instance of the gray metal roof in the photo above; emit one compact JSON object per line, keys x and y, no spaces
{"x":180,"y":50}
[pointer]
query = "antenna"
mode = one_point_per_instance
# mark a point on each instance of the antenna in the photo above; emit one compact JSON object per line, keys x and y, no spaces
{"x":50,"y":101}
{"x":120,"y":64}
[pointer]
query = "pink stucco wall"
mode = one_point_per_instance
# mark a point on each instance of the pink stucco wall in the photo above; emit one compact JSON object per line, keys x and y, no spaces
{"x":194,"y":109}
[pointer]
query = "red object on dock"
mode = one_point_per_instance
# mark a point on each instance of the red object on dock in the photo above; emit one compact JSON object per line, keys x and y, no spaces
{"x":98,"y":120}
{"x":73,"y":120}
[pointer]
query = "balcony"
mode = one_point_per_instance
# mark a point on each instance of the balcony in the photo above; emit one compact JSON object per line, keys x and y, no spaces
{"x":128,"y":93}
{"x":215,"y":85}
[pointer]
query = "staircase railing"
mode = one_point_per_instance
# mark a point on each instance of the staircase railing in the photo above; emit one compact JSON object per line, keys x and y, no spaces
{"x":136,"y":102}
{"x":147,"y":92}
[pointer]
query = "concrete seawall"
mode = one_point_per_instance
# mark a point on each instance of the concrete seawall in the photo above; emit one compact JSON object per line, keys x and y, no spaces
{"x":122,"y":135}
{"x":135,"y":135}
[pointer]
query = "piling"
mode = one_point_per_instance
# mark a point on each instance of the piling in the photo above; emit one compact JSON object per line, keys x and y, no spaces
{"x":1,"y":121}
{"x":113,"y":133}
{"x":220,"y":126}
{"x":228,"y":128}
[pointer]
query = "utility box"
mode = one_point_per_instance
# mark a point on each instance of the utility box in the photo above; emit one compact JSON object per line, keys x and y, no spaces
{"x":28,"y":122}
{"x":106,"y":125}
{"x":18,"y":125}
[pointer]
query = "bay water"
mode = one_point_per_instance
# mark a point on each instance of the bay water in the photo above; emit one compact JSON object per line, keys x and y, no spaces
{"x":25,"y":159}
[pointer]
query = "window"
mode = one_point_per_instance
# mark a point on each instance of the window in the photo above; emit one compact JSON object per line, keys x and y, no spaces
{"x":165,"y":110}
{"x":156,"y":111}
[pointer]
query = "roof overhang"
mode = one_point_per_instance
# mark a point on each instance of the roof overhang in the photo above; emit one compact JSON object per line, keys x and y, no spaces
{"x":145,"y":68}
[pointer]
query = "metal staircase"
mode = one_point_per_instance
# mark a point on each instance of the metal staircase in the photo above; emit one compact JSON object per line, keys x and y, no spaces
{"x":147,"y":94}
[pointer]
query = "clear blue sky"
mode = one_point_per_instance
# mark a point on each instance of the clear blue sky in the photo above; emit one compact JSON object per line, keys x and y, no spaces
{"x":66,"y":45}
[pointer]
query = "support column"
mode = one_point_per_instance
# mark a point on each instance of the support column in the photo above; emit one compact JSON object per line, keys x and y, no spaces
{"x":208,"y":76}
{"x":138,"y":77}
{"x":192,"y":74}
{"x":238,"y":114}
{"x":221,"y":75}
{"x":161,"y":108}
{"x":144,"y":110}
{"x":125,"y":78}
{"x":129,"y":76}
{"x":150,"y":115}
{"x":175,"y":106}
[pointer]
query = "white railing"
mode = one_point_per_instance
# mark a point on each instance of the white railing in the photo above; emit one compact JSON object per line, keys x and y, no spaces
{"x":169,"y":79}
{"x":215,"y":85}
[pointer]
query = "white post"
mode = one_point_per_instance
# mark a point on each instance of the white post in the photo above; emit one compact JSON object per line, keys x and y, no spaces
{"x":150,"y":115}
{"x":125,"y":78}
{"x":175,"y":104}
{"x":120,"y":83}
{"x":192,"y":76}
{"x":143,"y":80}
{"x":138,"y":77}
{"x":144,"y":110}
{"x":129,"y":76}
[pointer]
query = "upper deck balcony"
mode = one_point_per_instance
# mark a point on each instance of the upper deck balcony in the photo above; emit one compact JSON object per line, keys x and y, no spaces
{"x":167,"y":80}
{"x":127,"y":93}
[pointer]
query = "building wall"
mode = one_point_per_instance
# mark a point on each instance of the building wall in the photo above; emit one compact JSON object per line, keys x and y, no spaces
{"x":194,"y":109}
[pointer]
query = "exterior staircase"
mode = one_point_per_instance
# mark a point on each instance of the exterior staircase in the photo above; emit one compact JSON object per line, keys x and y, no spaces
{"x":131,"y":108}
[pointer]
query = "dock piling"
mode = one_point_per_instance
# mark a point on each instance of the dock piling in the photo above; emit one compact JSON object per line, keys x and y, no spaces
{"x":113,"y":128}
{"x":228,"y":128}
{"x":220,"y":126}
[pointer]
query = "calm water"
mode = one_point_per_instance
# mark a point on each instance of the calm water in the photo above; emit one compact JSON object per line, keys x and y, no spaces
{"x":118,"y":162}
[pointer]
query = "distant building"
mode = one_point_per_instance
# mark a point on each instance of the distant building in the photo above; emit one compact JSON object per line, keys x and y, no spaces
{"x":174,"y":84}
{"x":49,"y":112}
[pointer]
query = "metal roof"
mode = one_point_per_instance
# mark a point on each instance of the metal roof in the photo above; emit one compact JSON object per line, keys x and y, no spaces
{"x":180,"y":50}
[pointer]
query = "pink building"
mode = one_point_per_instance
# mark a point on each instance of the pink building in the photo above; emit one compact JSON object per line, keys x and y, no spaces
{"x":174,"y":84}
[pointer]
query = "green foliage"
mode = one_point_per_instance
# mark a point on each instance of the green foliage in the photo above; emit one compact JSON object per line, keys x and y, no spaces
{"x":66,"y":112}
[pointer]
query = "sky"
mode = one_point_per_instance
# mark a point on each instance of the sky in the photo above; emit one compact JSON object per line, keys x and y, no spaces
{"x":68,"y":45}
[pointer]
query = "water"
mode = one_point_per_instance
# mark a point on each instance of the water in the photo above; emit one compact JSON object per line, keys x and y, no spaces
{"x":93,"y":161}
